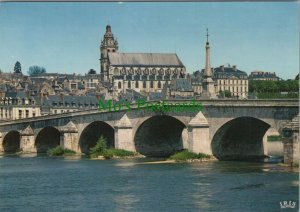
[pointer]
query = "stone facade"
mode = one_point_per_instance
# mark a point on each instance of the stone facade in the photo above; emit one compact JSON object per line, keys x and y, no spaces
{"x":291,"y":142}
{"x":142,"y":72}
{"x":201,"y":127}
{"x":231,"y":79}
{"x":17,"y":108}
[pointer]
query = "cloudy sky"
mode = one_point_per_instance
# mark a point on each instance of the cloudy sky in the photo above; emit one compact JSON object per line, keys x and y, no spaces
{"x":65,"y":37}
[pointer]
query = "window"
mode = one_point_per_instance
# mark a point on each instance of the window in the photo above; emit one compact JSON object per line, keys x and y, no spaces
{"x":159,"y":84}
{"x":119,"y":85}
{"x":73,"y":86}
{"x":27,"y":113}
{"x":144,"y":84}
{"x":129,"y":84}
{"x":116,"y":71}
{"x":20,"y":113}
{"x":151,"y":84}
{"x":33,"y":114}
{"x":55,"y":111}
{"x":136,"y":84}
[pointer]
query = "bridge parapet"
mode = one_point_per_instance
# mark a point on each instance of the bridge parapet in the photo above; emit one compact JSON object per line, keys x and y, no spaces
{"x":286,"y":103}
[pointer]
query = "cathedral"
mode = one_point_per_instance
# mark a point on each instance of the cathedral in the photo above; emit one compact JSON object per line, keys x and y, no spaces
{"x":142,"y":72}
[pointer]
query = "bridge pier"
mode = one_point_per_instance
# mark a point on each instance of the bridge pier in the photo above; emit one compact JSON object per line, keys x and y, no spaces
{"x":69,"y":138}
{"x":198,"y":135}
{"x":1,"y":143}
{"x":124,"y":134}
{"x":27,"y":140}
{"x":291,"y":142}
{"x":265,"y":144}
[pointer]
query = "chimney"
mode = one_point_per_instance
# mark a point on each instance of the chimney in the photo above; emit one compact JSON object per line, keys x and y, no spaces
{"x":42,"y":97}
{"x":222,"y":67}
{"x":62,"y":97}
{"x":234,"y":67}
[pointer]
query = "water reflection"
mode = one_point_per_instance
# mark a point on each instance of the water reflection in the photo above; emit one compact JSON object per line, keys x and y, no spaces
{"x":52,"y":184}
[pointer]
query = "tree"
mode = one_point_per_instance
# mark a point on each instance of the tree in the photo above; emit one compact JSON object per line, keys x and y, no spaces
{"x":92,"y":71}
{"x":35,"y":70}
{"x":225,"y":93}
{"x":17,"y":68}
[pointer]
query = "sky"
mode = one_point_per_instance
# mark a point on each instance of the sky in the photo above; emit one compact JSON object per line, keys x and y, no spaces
{"x":65,"y":37}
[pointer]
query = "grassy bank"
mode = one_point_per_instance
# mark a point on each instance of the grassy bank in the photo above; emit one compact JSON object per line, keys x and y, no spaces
{"x":60,"y":151}
{"x":100,"y":149}
{"x":185,"y":155}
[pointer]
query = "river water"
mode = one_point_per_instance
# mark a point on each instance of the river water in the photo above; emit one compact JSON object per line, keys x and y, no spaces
{"x":65,"y":184}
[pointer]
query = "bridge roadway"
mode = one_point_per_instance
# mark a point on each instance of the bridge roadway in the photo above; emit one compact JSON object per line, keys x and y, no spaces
{"x":228,"y":129}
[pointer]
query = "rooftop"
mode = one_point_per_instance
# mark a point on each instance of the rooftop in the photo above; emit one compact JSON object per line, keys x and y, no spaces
{"x":144,"y":59}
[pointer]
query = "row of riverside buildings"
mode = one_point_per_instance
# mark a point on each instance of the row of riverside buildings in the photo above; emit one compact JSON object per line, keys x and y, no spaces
{"x":123,"y":76}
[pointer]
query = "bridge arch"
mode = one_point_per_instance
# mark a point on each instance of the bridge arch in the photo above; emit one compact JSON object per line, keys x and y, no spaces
{"x":47,"y":138}
{"x":11,"y":142}
{"x":93,"y":132}
{"x":240,"y":139}
{"x":159,"y":136}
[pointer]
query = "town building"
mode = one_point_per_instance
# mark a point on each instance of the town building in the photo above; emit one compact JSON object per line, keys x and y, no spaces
{"x":18,"y":105}
{"x":231,"y":79}
{"x":142,"y":72}
{"x":178,"y":88}
{"x":261,"y":75}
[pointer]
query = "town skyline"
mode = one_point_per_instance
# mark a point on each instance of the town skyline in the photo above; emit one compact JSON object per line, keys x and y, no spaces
{"x":71,"y":48}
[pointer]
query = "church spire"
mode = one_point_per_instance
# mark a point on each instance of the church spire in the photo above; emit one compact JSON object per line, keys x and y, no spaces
{"x":108,"y":45}
{"x":207,"y":71}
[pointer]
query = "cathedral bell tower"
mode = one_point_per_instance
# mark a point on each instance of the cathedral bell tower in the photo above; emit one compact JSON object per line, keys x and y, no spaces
{"x":208,"y":83}
{"x":108,"y":44}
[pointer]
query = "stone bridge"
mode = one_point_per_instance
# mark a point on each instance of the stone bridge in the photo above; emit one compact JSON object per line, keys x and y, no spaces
{"x":228,"y":129}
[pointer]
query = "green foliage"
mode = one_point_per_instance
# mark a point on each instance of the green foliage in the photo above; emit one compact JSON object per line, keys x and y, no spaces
{"x":273,"y":89}
{"x":277,"y":96}
{"x":36,"y":70}
{"x":110,"y":153}
{"x":100,"y":149}
{"x":60,"y":151}
{"x":186,"y":155}
{"x":17,"y":68}
{"x":225,"y":93}
{"x":261,"y":86}
{"x":92,"y":71}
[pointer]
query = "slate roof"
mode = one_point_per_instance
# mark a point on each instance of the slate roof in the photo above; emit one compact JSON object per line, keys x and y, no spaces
{"x":72,"y":101}
{"x":144,"y":59}
{"x":156,"y":95}
{"x":262,"y":75}
{"x":228,"y":73}
{"x":180,"y":85}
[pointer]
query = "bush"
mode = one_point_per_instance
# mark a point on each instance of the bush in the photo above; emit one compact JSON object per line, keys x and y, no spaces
{"x":100,"y":149}
{"x":186,"y":155}
{"x":59,"y":151}
{"x":110,"y":153}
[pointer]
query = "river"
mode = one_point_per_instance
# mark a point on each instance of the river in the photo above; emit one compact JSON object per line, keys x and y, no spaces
{"x":67,"y":184}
